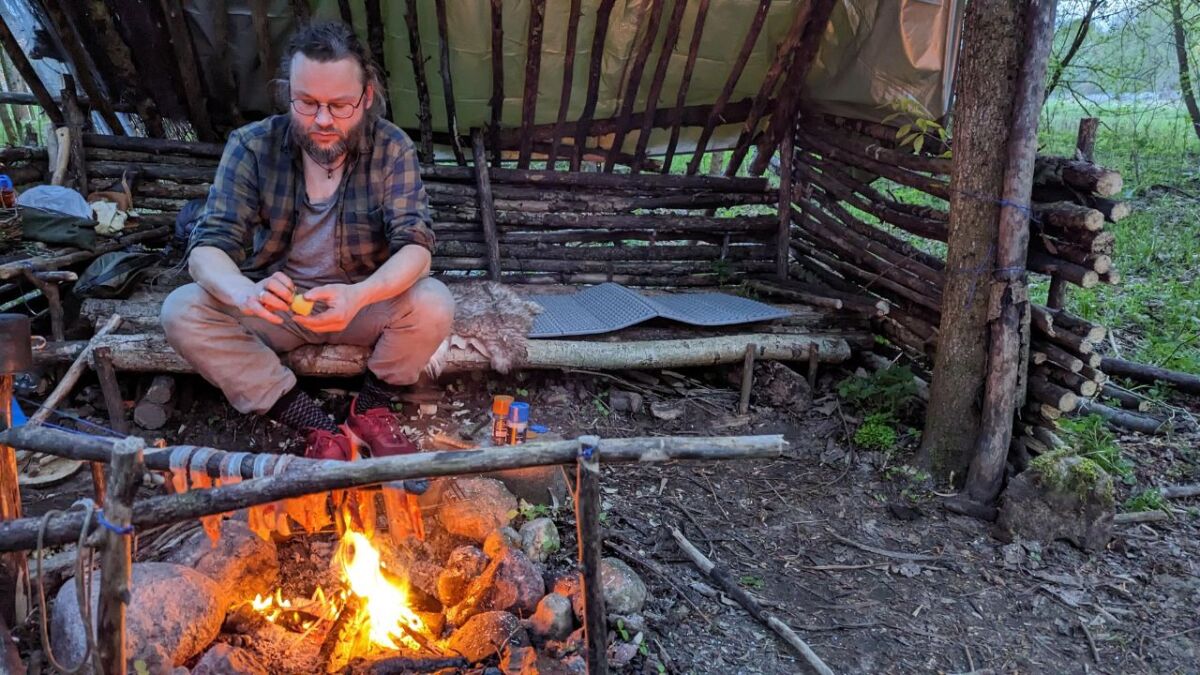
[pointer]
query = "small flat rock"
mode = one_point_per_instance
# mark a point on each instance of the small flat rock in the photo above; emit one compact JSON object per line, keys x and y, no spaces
{"x":539,"y":539}
{"x":541,"y":485}
{"x":624,"y":591}
{"x":667,"y":410}
{"x":475,"y":507}
{"x":570,"y":586}
{"x":554,"y":618}
{"x":241,"y":563}
{"x":174,"y":613}
{"x":223,"y":659}
{"x":486,"y":634}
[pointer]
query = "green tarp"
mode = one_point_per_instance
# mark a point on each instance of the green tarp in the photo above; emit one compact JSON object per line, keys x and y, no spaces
{"x":874,"y":53}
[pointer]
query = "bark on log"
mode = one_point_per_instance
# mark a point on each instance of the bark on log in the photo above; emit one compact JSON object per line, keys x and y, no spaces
{"x":1147,"y":374}
{"x":1077,"y":174}
{"x":1068,"y":216}
{"x":116,"y":564}
{"x":983,"y":114}
{"x":1126,"y":399}
{"x":83,"y":66}
{"x":590,"y":537}
{"x":1045,"y":391}
{"x":666,"y":52}
{"x":105,"y":31}
{"x":447,"y":82}
{"x":151,"y":353}
{"x":17,"y":535}
{"x":1124,"y":419}
{"x":154,"y":146}
{"x":424,"y":114}
{"x":189,"y":71}
{"x":1044,"y":263}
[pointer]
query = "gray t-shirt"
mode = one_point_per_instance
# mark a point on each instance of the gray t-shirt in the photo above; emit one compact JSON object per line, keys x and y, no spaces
{"x":312,"y":260}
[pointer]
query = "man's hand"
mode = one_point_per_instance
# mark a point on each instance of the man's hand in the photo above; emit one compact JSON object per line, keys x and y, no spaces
{"x":342,"y":304}
{"x":263,"y":299}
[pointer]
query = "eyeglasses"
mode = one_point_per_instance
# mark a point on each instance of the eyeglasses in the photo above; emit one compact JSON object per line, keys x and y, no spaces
{"x":338,"y":110}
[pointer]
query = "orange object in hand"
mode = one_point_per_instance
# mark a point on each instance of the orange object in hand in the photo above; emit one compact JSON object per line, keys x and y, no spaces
{"x":301,"y":305}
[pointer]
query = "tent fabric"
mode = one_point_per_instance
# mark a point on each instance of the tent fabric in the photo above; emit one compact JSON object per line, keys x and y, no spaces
{"x":874,"y":52}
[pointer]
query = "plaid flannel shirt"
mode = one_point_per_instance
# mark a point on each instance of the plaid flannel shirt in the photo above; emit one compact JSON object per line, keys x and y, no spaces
{"x":255,"y":199}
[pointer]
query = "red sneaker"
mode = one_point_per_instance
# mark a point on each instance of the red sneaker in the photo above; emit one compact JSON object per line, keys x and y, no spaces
{"x":321,"y":444}
{"x":379,"y":431}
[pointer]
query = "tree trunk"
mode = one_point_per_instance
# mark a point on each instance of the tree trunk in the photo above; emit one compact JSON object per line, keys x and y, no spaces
{"x":1185,"y":73}
{"x":986,"y":88}
{"x":1085,"y":24}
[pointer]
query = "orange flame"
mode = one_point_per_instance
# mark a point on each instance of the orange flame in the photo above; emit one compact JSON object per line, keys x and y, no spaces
{"x":385,"y":603}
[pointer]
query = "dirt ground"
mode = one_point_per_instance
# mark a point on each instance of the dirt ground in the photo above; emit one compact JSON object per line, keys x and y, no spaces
{"x":849,"y":549}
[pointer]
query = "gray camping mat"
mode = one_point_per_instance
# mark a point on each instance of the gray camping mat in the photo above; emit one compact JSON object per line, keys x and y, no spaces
{"x":610,"y":307}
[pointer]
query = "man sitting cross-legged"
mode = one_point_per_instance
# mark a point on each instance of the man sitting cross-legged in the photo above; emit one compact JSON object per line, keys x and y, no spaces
{"x":327,"y":201}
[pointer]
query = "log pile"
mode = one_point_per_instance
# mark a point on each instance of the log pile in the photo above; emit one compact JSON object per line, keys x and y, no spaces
{"x":852,"y":233}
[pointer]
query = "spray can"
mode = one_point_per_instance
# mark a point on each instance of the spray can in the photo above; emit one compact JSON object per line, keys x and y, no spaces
{"x":500,"y":408}
{"x":8,"y":196}
{"x":518,"y":422}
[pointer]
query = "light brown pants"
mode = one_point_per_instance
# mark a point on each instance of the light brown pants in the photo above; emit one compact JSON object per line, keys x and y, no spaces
{"x":240,"y":354}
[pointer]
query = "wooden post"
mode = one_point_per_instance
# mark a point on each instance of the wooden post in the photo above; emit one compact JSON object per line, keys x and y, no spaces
{"x":533,"y":70}
{"x":9,"y":41}
{"x":1008,"y":309}
{"x":375,"y":39}
{"x":447,"y":82}
{"x":487,"y":213}
{"x":102,"y":364}
{"x":116,"y":561}
{"x":564,"y":99}
{"x":49,"y":288}
{"x":636,"y":72}
{"x":496,"y":103}
{"x":983,"y":111}
{"x":189,"y":71}
{"x":82,"y":61}
{"x":104,"y":30}
{"x":587,"y":517}
{"x":747,"y":379}
{"x":735,"y":74}
{"x":75,"y":124}
{"x":424,"y":115}
{"x":584,"y":125}
{"x":783,"y":240}
{"x":14,"y":565}
{"x":685,"y":80}
{"x":656,"y":84}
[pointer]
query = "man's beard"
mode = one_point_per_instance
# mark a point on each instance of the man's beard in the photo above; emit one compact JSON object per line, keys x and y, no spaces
{"x":327,"y":154}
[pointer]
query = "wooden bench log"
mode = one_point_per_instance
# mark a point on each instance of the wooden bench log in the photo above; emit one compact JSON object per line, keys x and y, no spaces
{"x":151,"y":353}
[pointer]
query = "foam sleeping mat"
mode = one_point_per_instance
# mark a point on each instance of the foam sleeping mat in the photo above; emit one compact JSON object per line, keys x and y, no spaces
{"x":610,"y":307}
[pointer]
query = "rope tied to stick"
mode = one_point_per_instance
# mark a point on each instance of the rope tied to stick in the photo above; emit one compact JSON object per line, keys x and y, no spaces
{"x":83,"y":586}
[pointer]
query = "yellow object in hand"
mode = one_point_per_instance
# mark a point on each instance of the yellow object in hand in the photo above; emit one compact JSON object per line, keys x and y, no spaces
{"x":301,"y":305}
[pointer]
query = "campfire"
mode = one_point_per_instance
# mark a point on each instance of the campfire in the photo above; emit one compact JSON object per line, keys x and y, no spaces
{"x":370,"y":612}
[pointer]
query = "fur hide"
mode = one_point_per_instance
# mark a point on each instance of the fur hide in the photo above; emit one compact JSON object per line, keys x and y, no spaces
{"x":491,"y":319}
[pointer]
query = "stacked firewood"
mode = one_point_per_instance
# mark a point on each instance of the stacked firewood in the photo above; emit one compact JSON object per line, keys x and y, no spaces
{"x":852,"y":234}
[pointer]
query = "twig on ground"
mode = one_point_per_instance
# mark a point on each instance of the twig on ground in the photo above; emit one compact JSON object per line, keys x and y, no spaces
{"x":1091,"y":641}
{"x":722,"y":578}
{"x":898,"y":555}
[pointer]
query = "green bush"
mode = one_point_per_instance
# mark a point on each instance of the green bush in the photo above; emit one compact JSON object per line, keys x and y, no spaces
{"x":1090,"y":438}
{"x":890,"y":391}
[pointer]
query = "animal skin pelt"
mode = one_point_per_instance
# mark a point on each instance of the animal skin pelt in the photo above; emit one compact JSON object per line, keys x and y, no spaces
{"x":491,"y":319}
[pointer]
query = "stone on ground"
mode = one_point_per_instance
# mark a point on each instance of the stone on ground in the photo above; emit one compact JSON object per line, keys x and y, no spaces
{"x":539,"y":539}
{"x":624,"y":591}
{"x":499,"y":541}
{"x":174,"y":612}
{"x":487,"y":634}
{"x":541,"y":485}
{"x":472,"y":507}
{"x":241,"y":563}
{"x":1061,"y":496}
{"x":554,"y":618}
{"x":462,"y":567}
{"x":223,"y":659}
{"x":510,"y":583}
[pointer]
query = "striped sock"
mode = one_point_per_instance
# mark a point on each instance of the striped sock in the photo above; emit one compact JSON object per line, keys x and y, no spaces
{"x":298,"y":410}
{"x":375,"y":393}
